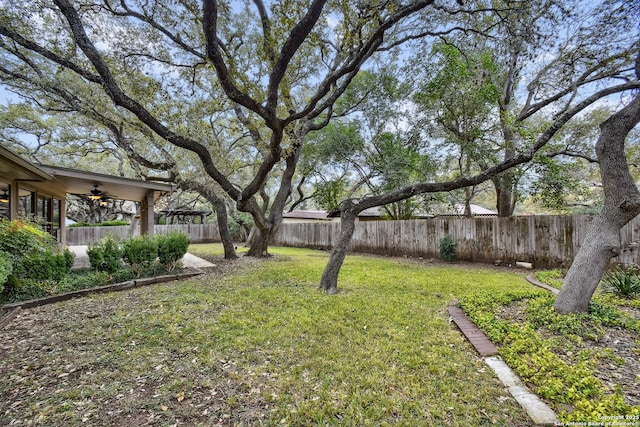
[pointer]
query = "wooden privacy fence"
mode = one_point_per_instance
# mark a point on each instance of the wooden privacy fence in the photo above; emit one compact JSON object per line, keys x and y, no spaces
{"x":545,"y":241}
{"x":198,"y":233}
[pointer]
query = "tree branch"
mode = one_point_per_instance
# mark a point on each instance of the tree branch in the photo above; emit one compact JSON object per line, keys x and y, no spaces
{"x":210,"y":28}
{"x":120,"y":98}
{"x":30,"y":45}
{"x":436,"y":187}
{"x":353,"y":62}
{"x":290,"y":47}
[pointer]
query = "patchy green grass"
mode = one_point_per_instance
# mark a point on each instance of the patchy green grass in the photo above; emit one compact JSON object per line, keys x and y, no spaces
{"x":258,"y":344}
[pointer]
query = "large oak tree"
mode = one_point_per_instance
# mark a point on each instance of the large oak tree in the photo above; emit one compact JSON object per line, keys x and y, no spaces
{"x":546,"y":85}
{"x":621,"y":205}
{"x":275,"y":70}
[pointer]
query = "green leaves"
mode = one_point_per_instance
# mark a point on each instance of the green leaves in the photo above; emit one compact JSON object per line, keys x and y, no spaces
{"x":329,"y":194}
{"x":171,"y":248}
{"x":547,"y":349}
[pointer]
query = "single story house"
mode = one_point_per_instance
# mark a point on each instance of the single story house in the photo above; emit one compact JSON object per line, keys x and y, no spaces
{"x":302,"y":216}
{"x":377,"y":214}
{"x":476,"y":211}
{"x":34,"y":190}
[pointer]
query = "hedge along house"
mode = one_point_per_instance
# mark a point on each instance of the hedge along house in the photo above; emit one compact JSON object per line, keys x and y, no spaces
{"x":29,"y":190}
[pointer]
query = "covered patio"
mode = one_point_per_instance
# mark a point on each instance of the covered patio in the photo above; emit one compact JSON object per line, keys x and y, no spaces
{"x":39,"y":191}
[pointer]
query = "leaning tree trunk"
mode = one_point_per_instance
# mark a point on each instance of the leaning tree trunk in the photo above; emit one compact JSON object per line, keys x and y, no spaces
{"x":329,"y":281}
{"x":207,"y":191}
{"x":621,"y":205}
{"x":223,"y":226}
{"x":251,"y":236}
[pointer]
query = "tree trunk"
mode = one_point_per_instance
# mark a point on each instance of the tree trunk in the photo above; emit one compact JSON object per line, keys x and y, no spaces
{"x":208,"y":192}
{"x":468,"y":195}
{"x":601,"y":243}
{"x":251,"y":236}
{"x":329,"y":281}
{"x":503,"y":184}
{"x":259,"y":243}
{"x":223,"y":226}
{"x":621,"y":205}
{"x":260,"y":234}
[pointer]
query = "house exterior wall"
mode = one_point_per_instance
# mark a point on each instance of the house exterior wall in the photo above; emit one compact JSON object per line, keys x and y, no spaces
{"x":43,"y":202}
{"x":39,"y":192}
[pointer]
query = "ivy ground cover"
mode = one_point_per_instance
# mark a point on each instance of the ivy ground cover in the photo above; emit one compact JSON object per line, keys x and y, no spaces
{"x":587,"y":366}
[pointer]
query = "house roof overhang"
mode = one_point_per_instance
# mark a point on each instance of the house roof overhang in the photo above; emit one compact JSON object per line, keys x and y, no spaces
{"x":72,"y":181}
{"x":80,"y":182}
{"x":14,"y":167}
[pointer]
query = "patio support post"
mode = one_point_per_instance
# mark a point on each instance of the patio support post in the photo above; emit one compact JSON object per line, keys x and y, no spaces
{"x":13,"y":200}
{"x":146,"y":215}
{"x":63,"y":221}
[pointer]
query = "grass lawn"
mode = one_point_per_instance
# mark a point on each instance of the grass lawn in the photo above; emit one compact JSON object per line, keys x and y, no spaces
{"x":258,"y":344}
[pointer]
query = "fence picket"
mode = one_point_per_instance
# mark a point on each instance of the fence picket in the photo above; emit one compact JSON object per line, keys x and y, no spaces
{"x":545,"y":241}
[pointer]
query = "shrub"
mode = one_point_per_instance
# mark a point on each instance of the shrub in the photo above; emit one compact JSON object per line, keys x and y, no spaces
{"x":139,"y":253}
{"x":33,"y":254}
{"x":106,"y":255}
{"x":448,"y":248}
{"x":5,"y":269}
{"x":69,"y":258}
{"x":79,"y":224}
{"x":622,"y":282}
{"x":113,"y":223}
{"x":171,"y":248}
{"x":45,"y":264}
{"x":18,"y":238}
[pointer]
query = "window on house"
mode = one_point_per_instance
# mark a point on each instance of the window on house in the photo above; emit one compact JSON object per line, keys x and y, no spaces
{"x":26,"y":204}
{"x":56,"y":220}
{"x":5,"y":192}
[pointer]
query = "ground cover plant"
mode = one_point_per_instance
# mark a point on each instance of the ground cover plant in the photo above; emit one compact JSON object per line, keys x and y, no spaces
{"x":585,"y":365}
{"x":256,"y":343}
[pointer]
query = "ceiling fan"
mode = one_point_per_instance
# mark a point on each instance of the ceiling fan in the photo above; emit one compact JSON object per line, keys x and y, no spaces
{"x":95,"y":194}
{"x":99,"y":196}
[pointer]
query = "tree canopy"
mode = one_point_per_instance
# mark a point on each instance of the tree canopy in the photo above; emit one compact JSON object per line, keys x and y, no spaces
{"x":207,"y":76}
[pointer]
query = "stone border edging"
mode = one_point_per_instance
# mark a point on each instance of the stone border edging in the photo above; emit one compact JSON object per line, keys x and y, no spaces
{"x":14,"y":307}
{"x":539,"y":412}
{"x":535,"y":282}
